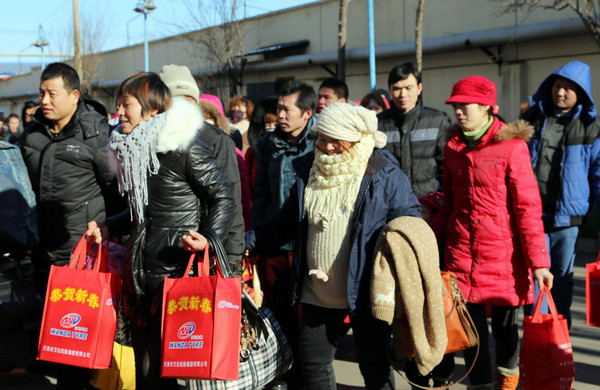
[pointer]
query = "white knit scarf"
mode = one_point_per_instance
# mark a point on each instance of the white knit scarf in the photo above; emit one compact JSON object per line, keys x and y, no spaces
{"x":334,"y":182}
{"x":136,"y":158}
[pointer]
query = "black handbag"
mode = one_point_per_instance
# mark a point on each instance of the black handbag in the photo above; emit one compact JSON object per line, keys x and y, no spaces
{"x":19,"y":299}
{"x":20,"y":311}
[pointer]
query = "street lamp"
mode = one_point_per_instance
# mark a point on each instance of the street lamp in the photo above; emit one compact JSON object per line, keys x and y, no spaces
{"x":128,"y":27}
{"x":145,"y":8}
{"x":41,"y":42}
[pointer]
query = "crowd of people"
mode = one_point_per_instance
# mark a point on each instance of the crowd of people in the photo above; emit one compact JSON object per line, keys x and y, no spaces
{"x":11,"y":127}
{"x":304,"y":181}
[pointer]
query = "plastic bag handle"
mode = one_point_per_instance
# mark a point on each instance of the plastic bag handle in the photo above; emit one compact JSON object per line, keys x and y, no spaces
{"x":204,"y":268}
{"x":104,"y":258}
{"x":78,"y":258}
{"x":537,"y":317}
{"x":100,"y":259}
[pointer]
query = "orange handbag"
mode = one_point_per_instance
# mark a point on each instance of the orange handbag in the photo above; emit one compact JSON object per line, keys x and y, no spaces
{"x":462,"y":333}
{"x":461,"y":330}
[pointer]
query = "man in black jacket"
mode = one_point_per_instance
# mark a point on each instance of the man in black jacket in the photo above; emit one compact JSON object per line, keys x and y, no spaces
{"x":64,"y":149}
{"x":415,"y":133}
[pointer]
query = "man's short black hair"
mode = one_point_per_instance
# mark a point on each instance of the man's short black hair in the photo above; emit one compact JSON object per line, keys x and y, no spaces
{"x":307,"y":98}
{"x":339,"y":87}
{"x":12,"y":115}
{"x":67,"y":73}
{"x":402,"y":71}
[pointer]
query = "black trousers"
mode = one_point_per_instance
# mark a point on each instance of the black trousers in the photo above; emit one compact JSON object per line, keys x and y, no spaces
{"x":320,"y":334}
{"x":505,"y":329}
{"x":145,"y":319}
{"x":275,"y":279}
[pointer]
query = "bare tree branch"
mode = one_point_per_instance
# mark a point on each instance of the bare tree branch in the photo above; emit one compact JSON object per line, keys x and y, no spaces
{"x":93,"y":37}
{"x":215,"y":31}
{"x":585,"y":9}
{"x":94,"y":27}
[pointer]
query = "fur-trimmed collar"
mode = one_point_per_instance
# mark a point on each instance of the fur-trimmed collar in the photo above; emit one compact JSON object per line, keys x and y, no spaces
{"x":519,"y":130}
{"x":184,"y":119}
{"x":498,"y":132}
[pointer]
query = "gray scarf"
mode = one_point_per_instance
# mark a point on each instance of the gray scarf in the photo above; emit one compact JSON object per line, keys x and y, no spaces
{"x":136,"y":158}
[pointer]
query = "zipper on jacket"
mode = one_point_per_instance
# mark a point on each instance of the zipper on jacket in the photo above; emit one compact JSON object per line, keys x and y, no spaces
{"x":362,"y":201}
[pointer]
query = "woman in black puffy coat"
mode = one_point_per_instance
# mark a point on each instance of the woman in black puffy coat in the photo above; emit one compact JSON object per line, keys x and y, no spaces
{"x":170,"y":177}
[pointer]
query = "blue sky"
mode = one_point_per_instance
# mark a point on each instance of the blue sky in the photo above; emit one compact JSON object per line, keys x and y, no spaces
{"x":21,"y":20}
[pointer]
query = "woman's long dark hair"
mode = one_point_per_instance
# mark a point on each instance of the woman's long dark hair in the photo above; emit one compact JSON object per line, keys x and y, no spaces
{"x":256,"y":128}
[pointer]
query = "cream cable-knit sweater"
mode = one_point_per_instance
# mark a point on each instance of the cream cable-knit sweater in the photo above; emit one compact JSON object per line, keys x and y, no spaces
{"x":329,"y":199}
{"x":328,"y":255}
{"x":406,"y":281}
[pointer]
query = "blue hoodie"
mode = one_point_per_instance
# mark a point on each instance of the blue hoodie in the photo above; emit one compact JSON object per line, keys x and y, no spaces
{"x":577,"y":72}
{"x":580,"y":165}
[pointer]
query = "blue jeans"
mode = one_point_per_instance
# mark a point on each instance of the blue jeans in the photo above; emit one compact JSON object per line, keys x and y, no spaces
{"x":320,"y":334}
{"x":562,"y":243}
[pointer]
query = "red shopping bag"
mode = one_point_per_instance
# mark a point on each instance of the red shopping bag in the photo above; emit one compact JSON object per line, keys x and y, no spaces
{"x":201,"y":321}
{"x":80,"y":316}
{"x":592,"y":292}
{"x":546,"y":360}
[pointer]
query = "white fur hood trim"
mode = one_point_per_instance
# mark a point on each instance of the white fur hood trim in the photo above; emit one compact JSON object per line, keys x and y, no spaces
{"x":183,"y":121}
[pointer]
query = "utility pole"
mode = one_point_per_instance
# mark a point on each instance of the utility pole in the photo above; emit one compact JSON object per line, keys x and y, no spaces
{"x":419,"y":35}
{"x":342,"y":27}
{"x":77,"y":38}
{"x":41,"y":42}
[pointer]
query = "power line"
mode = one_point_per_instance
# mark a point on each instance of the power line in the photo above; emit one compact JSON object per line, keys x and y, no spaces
{"x":60,"y":8}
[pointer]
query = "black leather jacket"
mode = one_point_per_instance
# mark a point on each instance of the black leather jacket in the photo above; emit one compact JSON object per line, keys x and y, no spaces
{"x":189,"y":181}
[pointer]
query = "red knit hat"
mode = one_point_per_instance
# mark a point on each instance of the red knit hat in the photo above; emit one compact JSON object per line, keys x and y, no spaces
{"x":474,"y":89}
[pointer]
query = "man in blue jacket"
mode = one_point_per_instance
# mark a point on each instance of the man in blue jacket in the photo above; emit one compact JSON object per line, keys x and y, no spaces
{"x":565,"y":153}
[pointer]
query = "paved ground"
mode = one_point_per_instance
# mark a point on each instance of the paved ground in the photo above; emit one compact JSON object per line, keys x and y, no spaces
{"x":585,"y":340}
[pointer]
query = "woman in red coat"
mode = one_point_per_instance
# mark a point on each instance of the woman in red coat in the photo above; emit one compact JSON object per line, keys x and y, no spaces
{"x":491,"y":223}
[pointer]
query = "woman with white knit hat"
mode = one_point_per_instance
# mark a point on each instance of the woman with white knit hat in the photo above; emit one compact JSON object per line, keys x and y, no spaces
{"x":336,"y":211}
